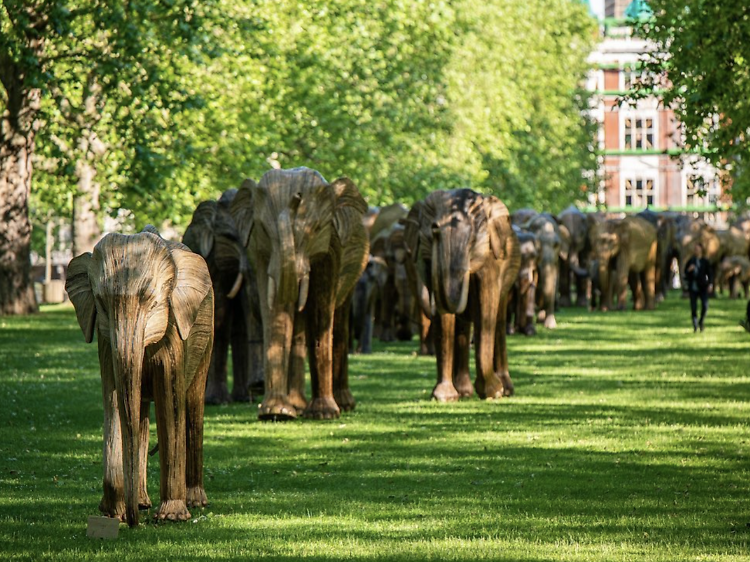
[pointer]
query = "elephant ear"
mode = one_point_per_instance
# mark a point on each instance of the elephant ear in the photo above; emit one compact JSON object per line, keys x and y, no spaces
{"x":499,"y":226}
{"x":191,"y":285}
{"x":349,"y":210}
{"x":81,"y":295}
{"x":242,"y":210}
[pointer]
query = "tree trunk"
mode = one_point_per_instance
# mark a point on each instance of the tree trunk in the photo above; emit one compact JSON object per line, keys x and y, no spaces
{"x":17,"y":135}
{"x":86,"y":230}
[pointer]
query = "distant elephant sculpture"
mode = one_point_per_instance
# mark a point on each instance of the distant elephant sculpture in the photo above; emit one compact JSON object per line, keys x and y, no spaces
{"x":305,"y":239}
{"x":237,"y":322}
{"x":151,"y":304}
{"x":627,"y":247}
{"x":734,"y":271}
{"x":466,"y":257}
{"x":522,"y":300}
{"x":732,"y":242}
{"x":367,"y":296}
{"x":550,"y":245}
{"x":575,"y":263}
{"x":522,"y":217}
{"x":666,"y":249}
{"x":691,"y":232}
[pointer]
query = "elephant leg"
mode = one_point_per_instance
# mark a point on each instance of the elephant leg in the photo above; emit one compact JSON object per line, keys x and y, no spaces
{"x":634,"y":281}
{"x":255,"y":346}
{"x":528,"y":311}
{"x":240,"y":359}
{"x":194,"y":410}
{"x":500,"y":356}
{"x":462,"y":347}
{"x":487,"y":321}
{"x":297,"y":365}
{"x":365,"y":340}
{"x":426,"y":336}
{"x":582,"y":291}
{"x":278,"y":327}
{"x":648,"y":280}
{"x":113,"y":498}
{"x":387,"y":310}
{"x":564,"y":287}
{"x":444,"y":326}
{"x":216,"y":388}
{"x":144,"y":502}
{"x":170,"y":398}
{"x":341,"y":393}
{"x":319,"y":318}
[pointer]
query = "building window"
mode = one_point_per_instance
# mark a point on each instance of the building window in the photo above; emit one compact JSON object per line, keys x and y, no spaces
{"x":639,"y":133}
{"x":639,"y":192}
{"x":701,"y":192}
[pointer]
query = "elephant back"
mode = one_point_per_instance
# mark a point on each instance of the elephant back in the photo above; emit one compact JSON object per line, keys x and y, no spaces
{"x":637,"y":232}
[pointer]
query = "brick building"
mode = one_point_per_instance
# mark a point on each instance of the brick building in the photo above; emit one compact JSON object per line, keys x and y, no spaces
{"x":643,"y":162}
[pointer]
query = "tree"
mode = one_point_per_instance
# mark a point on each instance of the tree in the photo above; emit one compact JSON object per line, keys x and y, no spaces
{"x":703,"y":49}
{"x":53,"y":50}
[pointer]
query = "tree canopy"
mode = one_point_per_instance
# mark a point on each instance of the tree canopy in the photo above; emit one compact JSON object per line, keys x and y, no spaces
{"x":704,"y":47}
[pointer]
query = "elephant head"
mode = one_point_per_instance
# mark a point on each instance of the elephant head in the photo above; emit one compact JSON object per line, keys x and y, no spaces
{"x":141,"y":294}
{"x":460,"y":229}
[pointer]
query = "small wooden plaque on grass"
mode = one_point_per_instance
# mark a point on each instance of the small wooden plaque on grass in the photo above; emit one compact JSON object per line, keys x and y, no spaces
{"x":102,"y":528}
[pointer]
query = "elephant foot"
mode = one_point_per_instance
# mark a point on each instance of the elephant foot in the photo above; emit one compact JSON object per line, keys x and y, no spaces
{"x":564,"y":301}
{"x":529,"y":330}
{"x":510,"y":330}
{"x":344,"y":399}
{"x":172,"y":510}
{"x":144,"y":502}
{"x":322,"y":408}
{"x":196,"y":497}
{"x":541,"y":316}
{"x":582,"y":302}
{"x":404,"y":333}
{"x":445,"y":392}
{"x":463,"y":386}
{"x":508,"y":388}
{"x":550,"y":322}
{"x":298,"y":400}
{"x":424,"y":351}
{"x":114,"y":510}
{"x":489,"y":389}
{"x":276,"y":407}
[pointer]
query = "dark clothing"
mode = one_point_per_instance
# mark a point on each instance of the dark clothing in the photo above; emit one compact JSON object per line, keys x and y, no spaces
{"x":700,"y":277}
{"x":698,"y":280}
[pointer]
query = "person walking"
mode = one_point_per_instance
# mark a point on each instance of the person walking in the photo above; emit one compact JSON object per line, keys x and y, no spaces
{"x":699,"y":278}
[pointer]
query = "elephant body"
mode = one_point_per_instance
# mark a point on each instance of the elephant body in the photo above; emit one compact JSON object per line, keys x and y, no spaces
{"x":550,"y":244}
{"x":575,"y":263}
{"x":466,"y":259}
{"x":732,"y":242}
{"x":150,"y":303}
{"x":307,"y":243}
{"x":626,"y":249}
{"x":522,"y":300}
{"x":237,"y":320}
{"x":734,"y":270}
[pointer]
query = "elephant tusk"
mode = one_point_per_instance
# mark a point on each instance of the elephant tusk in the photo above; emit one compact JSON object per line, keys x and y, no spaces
{"x":236,"y":287}
{"x":464,"y":294}
{"x":271,"y":296}
{"x":304,"y":287}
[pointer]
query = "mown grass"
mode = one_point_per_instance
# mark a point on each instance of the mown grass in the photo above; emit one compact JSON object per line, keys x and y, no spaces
{"x":627,"y":440}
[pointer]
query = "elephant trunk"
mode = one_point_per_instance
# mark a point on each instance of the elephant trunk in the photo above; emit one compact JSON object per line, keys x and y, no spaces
{"x":548,"y":285}
{"x":127,"y":337}
{"x":450,"y":278}
{"x":575,"y":266}
{"x":283,"y":284}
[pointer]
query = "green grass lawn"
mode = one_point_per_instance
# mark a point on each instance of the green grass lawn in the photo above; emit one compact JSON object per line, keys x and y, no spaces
{"x":628,"y":439}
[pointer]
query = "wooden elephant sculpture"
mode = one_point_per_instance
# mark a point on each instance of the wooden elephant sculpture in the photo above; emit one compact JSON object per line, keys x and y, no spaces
{"x":522,"y":299}
{"x":305,"y":239}
{"x":237,"y":321}
{"x":150,"y":303}
{"x":575,"y":264}
{"x":626,"y":249}
{"x":691,"y":232}
{"x":466,"y":258}
{"x":733,"y":271}
{"x":368,"y":294}
{"x":550,"y":248}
